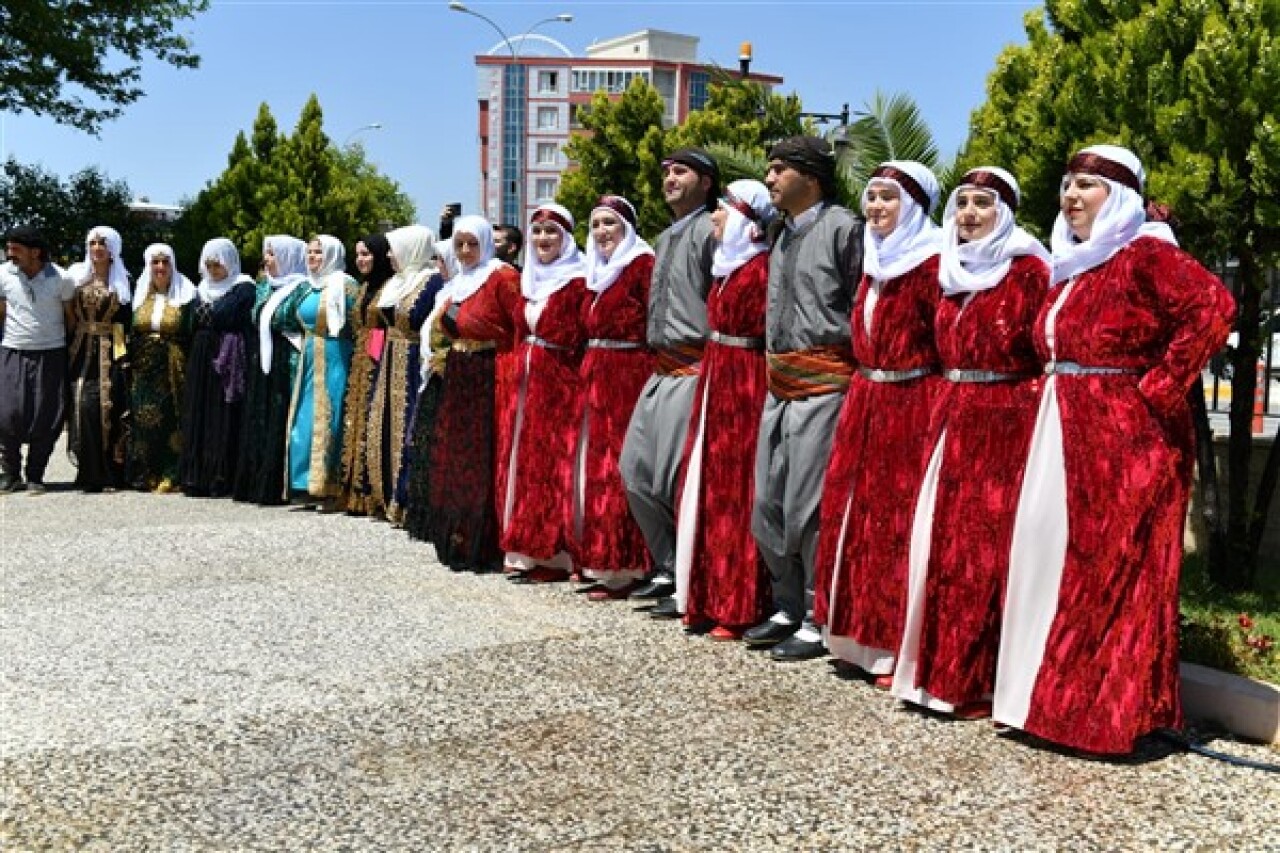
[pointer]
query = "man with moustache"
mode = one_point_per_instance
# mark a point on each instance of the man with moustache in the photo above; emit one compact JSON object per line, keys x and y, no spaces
{"x":34,"y":294}
{"x":677,"y":332}
{"x":814,"y":270}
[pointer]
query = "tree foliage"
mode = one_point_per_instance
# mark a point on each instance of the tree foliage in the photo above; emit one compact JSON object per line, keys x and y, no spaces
{"x":890,"y":127}
{"x":300,"y":184}
{"x":53,"y":53}
{"x":622,"y":149}
{"x":66,"y":210}
{"x":1193,"y":87}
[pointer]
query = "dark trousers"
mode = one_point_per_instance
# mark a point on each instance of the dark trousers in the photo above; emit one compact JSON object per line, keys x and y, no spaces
{"x":33,"y":407}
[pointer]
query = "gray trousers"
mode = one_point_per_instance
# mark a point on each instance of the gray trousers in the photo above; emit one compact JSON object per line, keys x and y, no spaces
{"x":791,"y":463}
{"x":650,"y":462}
{"x":33,"y":407}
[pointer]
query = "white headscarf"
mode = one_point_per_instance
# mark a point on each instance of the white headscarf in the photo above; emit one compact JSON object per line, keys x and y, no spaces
{"x":982,"y":264}
{"x":412,"y":251}
{"x":117,"y":277}
{"x":744,"y":237}
{"x":291,"y":266}
{"x":181,"y":290}
{"x":223,"y":251}
{"x":915,"y":238}
{"x":1121,"y":220}
{"x":470,"y":279}
{"x":447,"y":260}
{"x":603,"y":272}
{"x":538,"y":280}
{"x":332,"y":279}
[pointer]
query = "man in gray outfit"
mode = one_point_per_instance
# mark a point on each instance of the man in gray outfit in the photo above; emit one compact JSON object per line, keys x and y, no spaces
{"x":814,"y":270}
{"x":677,"y":332}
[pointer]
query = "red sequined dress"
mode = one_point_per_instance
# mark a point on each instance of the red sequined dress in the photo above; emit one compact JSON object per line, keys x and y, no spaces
{"x":727,"y":583}
{"x":537,"y":470}
{"x":964,"y":516}
{"x":615,"y":368}
{"x":1089,"y":641}
{"x":878,"y":457}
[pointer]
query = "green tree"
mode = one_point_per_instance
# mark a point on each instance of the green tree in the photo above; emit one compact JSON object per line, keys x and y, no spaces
{"x":300,"y":184}
{"x":620,"y":153}
{"x":624,"y":142}
{"x":66,"y":210}
{"x":890,"y":127}
{"x":1193,"y":87}
{"x":54,"y":52}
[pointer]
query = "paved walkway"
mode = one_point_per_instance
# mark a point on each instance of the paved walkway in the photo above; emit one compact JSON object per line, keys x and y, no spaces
{"x":186,"y":674}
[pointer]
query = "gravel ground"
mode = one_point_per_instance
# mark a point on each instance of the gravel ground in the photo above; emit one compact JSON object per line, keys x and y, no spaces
{"x":185,"y":674}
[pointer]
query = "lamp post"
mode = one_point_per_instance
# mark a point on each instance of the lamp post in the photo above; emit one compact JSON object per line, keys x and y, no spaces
{"x":517,"y":183}
{"x":377,"y":125}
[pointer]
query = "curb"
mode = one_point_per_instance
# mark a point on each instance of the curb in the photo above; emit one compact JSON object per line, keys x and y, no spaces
{"x":1247,"y":708}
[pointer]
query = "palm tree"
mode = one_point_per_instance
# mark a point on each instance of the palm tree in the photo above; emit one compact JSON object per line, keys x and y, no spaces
{"x":889,"y":128}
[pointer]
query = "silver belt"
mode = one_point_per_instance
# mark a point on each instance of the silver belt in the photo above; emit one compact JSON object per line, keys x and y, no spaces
{"x":608,"y":343}
{"x":1071,"y":368}
{"x":543,"y":342}
{"x":875,"y":374}
{"x":736,"y":341}
{"x":982,"y":376}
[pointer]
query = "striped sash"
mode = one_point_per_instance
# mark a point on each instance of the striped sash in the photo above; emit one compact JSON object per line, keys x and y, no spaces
{"x":679,"y":360}
{"x":809,"y":373}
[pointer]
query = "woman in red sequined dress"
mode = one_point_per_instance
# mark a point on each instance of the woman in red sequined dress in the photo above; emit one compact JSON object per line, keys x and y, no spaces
{"x":537,"y":468}
{"x":994,"y":277}
{"x":1089,"y":645}
{"x":609,"y":546}
{"x":475,"y":311}
{"x":720,"y":578}
{"x":882,"y":442}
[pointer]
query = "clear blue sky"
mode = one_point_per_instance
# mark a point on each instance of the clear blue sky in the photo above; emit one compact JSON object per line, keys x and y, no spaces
{"x":409,"y":65}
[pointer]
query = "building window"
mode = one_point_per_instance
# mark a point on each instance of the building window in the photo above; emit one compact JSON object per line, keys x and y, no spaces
{"x":548,"y":153}
{"x":548,"y":82}
{"x":575,"y":116}
{"x":699,"y":82}
{"x":548,"y":118}
{"x":545,"y":189}
{"x":613,"y":82}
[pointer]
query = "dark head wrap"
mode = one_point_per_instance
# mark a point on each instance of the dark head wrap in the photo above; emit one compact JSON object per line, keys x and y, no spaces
{"x":702,"y":163}
{"x":31,"y":237}
{"x":811,"y":155}
{"x":381,"y":250}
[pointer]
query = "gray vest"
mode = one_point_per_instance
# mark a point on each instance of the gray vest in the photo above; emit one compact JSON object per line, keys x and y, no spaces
{"x":681,"y":281}
{"x":813,"y":277}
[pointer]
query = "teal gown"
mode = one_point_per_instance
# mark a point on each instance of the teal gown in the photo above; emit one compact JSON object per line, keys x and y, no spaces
{"x":315,"y":416}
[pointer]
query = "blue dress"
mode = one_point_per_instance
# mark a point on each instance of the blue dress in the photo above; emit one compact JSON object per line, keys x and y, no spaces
{"x":315,"y":416}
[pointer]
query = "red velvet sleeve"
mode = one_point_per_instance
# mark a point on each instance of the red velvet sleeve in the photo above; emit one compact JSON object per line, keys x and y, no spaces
{"x":1199,"y":311}
{"x":490,"y":313}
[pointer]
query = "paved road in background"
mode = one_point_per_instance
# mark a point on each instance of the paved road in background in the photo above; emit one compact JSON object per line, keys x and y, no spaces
{"x":186,"y":674}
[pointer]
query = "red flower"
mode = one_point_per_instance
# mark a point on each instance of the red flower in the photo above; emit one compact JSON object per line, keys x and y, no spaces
{"x":1245,"y":622}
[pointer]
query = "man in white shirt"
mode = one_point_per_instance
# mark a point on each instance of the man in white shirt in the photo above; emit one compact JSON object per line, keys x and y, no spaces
{"x":34,"y":318}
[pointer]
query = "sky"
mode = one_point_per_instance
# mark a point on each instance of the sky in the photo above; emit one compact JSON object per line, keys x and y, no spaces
{"x":409,"y":65}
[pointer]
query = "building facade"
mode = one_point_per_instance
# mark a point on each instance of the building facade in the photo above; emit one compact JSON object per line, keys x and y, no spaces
{"x":530,"y":93}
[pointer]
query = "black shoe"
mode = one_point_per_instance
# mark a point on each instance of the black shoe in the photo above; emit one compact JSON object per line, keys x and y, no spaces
{"x":665,"y":609}
{"x":793,"y":648}
{"x":10,"y":483}
{"x":769,"y":633}
{"x":660,"y":586}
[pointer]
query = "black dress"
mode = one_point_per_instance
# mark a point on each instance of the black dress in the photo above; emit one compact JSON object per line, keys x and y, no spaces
{"x":214,"y":394}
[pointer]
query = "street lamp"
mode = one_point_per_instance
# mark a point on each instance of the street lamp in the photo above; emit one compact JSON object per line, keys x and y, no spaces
{"x":377,"y":125}
{"x":563,"y":18}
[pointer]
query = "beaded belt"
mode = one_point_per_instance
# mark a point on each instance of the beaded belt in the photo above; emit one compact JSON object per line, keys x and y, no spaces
{"x":983,"y":376}
{"x":544,"y":343}
{"x":472,"y":346}
{"x":875,"y":374}
{"x":735,"y":341}
{"x":678,"y":360}
{"x":1071,"y":368}
{"x":609,"y":343}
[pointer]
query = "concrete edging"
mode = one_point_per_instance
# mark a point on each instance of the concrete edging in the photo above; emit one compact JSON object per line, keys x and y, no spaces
{"x":1245,"y":707}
